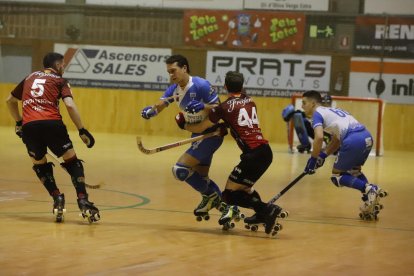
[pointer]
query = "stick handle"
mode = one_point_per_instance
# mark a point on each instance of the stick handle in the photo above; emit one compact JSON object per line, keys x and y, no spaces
{"x":290,"y":185}
{"x":176,"y":144}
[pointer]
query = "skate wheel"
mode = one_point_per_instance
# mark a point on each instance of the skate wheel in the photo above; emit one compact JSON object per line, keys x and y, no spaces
{"x":274,"y":233}
{"x":382,"y":193}
{"x":242,"y":216}
{"x":247,"y":227}
{"x":254,"y":228}
{"x":377,"y":207}
{"x":206,"y":217}
{"x":198,"y":218}
{"x":232,"y":225}
{"x":277,"y":227}
{"x":283,"y":214}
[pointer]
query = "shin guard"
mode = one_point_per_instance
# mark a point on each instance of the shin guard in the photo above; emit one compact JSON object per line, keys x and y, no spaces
{"x":75,"y":168}
{"x":45,"y":173}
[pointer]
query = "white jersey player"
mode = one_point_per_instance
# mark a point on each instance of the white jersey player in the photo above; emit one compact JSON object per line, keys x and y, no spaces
{"x":354,"y":142}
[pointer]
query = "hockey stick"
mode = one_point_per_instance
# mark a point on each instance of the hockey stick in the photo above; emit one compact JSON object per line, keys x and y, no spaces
{"x":290,"y":185}
{"x":97,"y":186}
{"x":176,"y":144}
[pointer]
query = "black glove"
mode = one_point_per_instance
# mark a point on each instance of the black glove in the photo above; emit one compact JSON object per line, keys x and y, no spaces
{"x":18,"y":128}
{"x":86,"y":137}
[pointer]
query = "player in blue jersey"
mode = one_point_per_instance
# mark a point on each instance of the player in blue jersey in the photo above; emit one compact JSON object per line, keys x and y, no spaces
{"x":195,"y":97}
{"x":354,"y":142}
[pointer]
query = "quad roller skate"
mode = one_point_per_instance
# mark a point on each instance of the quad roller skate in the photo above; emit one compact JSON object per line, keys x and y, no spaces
{"x":303,"y":148}
{"x":229,"y":213}
{"x":207,"y":203}
{"x":88,"y":210}
{"x":371,"y":206}
{"x":268,"y":220}
{"x":59,"y":207}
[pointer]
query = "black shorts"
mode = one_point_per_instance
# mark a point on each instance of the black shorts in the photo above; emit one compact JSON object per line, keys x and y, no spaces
{"x":40,"y":135}
{"x":252,"y":166}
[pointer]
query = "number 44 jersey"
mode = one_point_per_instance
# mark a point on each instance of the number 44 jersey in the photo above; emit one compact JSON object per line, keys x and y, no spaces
{"x":40,"y":93}
{"x":240,"y":114}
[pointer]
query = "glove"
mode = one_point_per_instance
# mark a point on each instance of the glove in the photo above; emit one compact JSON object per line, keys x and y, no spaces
{"x":18,"y":128}
{"x":321,"y":159}
{"x":86,"y":137}
{"x":223,"y":129}
{"x":180,"y":120}
{"x":194,"y":107}
{"x":311,"y":165}
{"x":149,"y":112}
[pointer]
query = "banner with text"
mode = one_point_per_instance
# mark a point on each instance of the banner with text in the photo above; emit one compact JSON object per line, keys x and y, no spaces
{"x":276,"y":75}
{"x":244,"y":29}
{"x":391,"y":79}
{"x":115,"y":67}
{"x":388,"y":36}
{"x":293,"y":5}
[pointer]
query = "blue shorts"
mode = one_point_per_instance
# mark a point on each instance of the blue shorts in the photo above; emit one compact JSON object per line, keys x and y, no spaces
{"x":354,"y":150}
{"x":203,"y":150}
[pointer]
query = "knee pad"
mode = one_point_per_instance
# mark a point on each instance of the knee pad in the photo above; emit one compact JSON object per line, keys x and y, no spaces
{"x":75,"y":169}
{"x":44,"y":171}
{"x":336,"y":179}
{"x":181,"y":172}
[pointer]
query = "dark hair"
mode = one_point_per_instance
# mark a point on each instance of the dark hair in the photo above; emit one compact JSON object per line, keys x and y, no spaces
{"x":312,"y":94}
{"x":181,"y":61}
{"x":234,"y":81}
{"x":50,"y":59}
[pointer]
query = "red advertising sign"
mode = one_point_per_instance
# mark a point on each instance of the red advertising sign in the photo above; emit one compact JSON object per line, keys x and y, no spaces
{"x":244,"y":29}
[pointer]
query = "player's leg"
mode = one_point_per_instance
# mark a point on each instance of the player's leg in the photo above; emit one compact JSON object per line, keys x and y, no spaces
{"x":301,"y":132}
{"x":37,"y":148}
{"x":239,"y":188}
{"x":60,"y":144}
{"x":193,"y":167}
{"x":347,"y":171}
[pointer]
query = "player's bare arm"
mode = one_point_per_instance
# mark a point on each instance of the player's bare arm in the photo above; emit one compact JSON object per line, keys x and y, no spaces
{"x":317,"y":141}
{"x":333,"y":146}
{"x":12,"y":104}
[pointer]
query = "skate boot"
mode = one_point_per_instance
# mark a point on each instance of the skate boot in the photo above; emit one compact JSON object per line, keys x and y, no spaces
{"x":207,"y":203}
{"x":88,"y":210}
{"x":268,"y":219}
{"x":59,"y":207}
{"x":371,"y":206}
{"x":302,"y":148}
{"x":230,"y":212}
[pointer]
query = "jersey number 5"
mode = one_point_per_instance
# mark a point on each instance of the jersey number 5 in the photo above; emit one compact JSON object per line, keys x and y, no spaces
{"x":37,"y":88}
{"x":246,"y":120}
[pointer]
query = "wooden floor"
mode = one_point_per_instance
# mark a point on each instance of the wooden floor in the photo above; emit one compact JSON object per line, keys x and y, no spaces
{"x":147,"y":225}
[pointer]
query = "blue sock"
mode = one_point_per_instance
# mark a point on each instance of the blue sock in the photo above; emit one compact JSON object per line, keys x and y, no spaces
{"x":199,"y":183}
{"x":213,"y":187}
{"x":352,"y":182}
{"x":363,"y":177}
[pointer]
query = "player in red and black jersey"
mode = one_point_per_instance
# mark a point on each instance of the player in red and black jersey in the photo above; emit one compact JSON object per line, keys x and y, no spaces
{"x":239,"y":113}
{"x":40,"y":126}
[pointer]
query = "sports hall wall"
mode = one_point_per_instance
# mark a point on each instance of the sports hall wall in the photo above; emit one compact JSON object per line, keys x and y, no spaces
{"x":33,"y":29}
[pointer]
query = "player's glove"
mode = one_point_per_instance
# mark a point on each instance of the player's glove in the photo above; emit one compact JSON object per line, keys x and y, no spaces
{"x":321,"y":159}
{"x":86,"y":137}
{"x":311,"y":165}
{"x":18,"y":128}
{"x":223,"y":129}
{"x":148,"y":112}
{"x":194,"y":107}
{"x":180,"y":120}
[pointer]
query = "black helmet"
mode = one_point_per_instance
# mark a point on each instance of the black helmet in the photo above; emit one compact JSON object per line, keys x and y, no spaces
{"x":327,"y":100}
